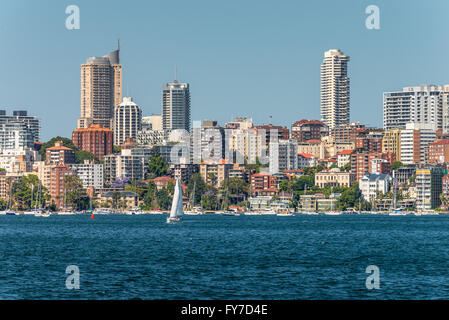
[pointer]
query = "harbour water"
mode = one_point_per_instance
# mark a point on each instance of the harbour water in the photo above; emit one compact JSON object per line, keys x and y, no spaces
{"x":225,"y":257}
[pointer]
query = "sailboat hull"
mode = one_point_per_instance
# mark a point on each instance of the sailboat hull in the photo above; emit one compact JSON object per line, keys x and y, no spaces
{"x":172,"y":220}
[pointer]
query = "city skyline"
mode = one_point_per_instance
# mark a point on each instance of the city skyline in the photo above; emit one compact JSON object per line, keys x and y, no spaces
{"x":263,"y":67}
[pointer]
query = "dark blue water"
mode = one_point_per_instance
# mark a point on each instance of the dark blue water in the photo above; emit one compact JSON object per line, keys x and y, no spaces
{"x":224,"y":257}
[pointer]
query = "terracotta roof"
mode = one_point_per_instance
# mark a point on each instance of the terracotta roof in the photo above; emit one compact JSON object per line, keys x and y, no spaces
{"x":345,"y":152}
{"x":59,"y":148}
{"x":261,"y":174}
{"x":441,"y":141}
{"x":305,"y":121}
{"x":313,"y":141}
{"x":163,"y":179}
{"x":92,"y":127}
{"x":306,"y":155}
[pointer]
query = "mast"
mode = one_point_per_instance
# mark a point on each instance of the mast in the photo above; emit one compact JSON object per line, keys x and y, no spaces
{"x":332,"y":204}
{"x":394,"y":191}
{"x":192,"y":203}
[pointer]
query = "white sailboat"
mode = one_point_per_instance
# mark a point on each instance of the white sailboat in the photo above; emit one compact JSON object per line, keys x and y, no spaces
{"x":176,"y":212}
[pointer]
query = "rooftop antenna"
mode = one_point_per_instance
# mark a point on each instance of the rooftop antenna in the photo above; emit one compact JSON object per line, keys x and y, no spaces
{"x":176,"y":73}
{"x":118,"y":44}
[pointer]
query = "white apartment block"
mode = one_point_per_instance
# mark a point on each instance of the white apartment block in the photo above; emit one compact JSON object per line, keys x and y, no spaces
{"x":248,"y":145}
{"x":18,"y":160}
{"x":306,"y":160}
{"x":335,"y":95}
{"x":15,"y":135}
{"x":90,"y":174}
{"x":421,"y":104}
{"x":415,"y":139}
{"x":148,"y":137}
{"x":283,"y":155}
{"x":131,"y":163}
{"x":372,"y":184}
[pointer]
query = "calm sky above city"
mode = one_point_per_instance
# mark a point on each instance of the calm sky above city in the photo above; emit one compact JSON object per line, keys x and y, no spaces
{"x":250,"y":58}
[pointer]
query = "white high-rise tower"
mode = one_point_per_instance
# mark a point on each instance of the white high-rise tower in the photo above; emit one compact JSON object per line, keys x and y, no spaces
{"x":335,"y":89}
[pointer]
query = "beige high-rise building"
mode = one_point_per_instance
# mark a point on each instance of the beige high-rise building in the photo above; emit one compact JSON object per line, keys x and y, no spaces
{"x":334,"y":89}
{"x":101,"y":90}
{"x":391,"y":142}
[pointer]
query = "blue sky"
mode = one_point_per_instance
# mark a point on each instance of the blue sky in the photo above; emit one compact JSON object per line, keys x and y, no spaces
{"x":252,"y":58}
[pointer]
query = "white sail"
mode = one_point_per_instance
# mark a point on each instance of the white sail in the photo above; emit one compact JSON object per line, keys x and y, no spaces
{"x":176,"y":206}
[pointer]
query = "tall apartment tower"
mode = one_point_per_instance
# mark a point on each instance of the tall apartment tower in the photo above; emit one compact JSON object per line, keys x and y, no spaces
{"x":334,"y":89}
{"x":176,"y":106}
{"x":101,"y":89}
{"x":30,"y":122}
{"x":424,"y":104}
{"x":127,"y":121}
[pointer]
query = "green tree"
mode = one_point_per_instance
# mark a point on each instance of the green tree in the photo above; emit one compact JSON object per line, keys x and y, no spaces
{"x":209,"y":200}
{"x":350,"y":197}
{"x":303,"y":181}
{"x":287,"y":185}
{"x":80,"y":155}
{"x":163,"y":199}
{"x":197,"y":182}
{"x":149,"y":195}
{"x":3,"y":204}
{"x":157,"y":167}
{"x":116,"y":196}
{"x":396,"y":165}
{"x":75,"y":194}
{"x":346,"y":167}
{"x":235,"y":189}
{"x":26,"y":191}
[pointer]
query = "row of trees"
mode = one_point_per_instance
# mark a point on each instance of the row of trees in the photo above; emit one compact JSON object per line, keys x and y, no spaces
{"x":28,"y":192}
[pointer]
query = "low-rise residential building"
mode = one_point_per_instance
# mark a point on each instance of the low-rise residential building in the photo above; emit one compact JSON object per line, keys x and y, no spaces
{"x":445,"y":185}
{"x":306,"y":160}
{"x":333,"y":177}
{"x":260,"y":202}
{"x":129,"y":199}
{"x":162,"y":182}
{"x":214,"y":172}
{"x":263,"y":184}
{"x":344,"y":157}
{"x":372,"y":184}
{"x":183,"y":171}
{"x":6,"y":182}
{"x":18,"y":161}
{"x":304,"y":130}
{"x":439,"y":151}
{"x":59,"y":154}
